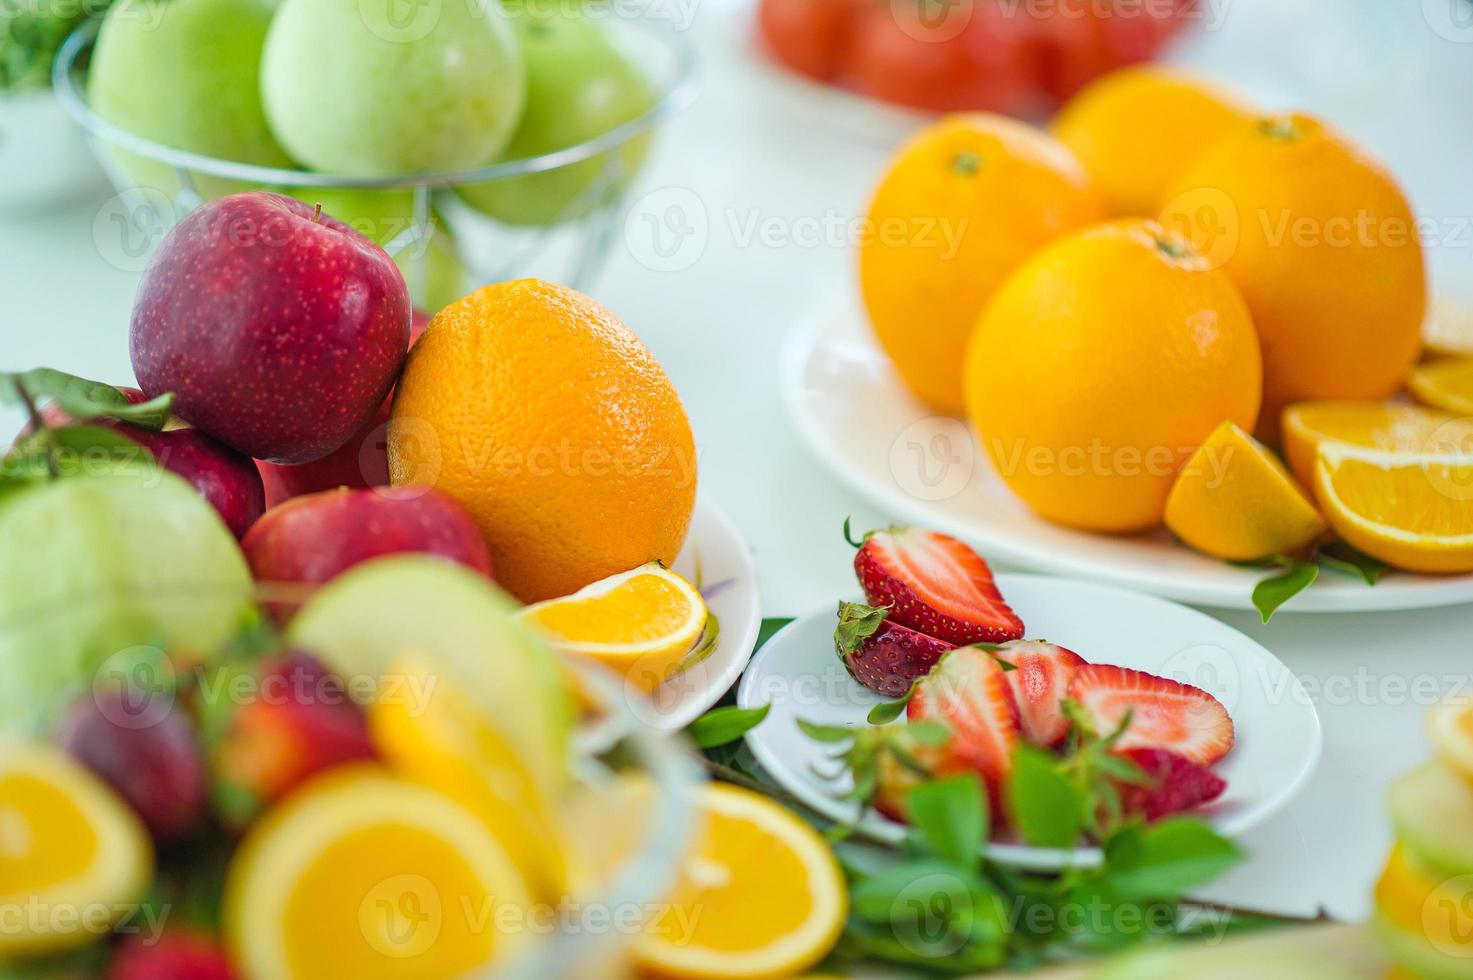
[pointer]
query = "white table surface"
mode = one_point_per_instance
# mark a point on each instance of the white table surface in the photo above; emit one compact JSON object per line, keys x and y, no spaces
{"x":766,"y":188}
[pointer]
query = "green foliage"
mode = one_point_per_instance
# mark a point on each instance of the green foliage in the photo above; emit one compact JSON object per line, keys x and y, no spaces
{"x":31,"y":32}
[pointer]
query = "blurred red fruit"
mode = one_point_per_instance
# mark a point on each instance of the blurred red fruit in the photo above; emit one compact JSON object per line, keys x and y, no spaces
{"x":809,"y":36}
{"x":180,"y":954}
{"x":1177,"y":784}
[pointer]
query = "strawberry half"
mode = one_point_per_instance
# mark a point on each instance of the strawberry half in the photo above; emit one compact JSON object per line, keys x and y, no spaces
{"x":883,"y":655}
{"x":1164,"y":713}
{"x":936,"y":585}
{"x":1177,"y":784}
{"x":968,"y":691}
{"x":1040,"y":679}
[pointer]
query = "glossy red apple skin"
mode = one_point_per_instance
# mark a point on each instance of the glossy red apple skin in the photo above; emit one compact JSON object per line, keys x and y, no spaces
{"x":362,"y":461}
{"x":225,"y":478}
{"x":314,"y":538}
{"x":279,"y":330}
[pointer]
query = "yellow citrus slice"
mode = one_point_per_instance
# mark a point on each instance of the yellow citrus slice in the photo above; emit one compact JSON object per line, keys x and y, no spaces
{"x":73,"y":856}
{"x":363,"y":874}
{"x":1447,"y":385}
{"x":1412,"y":512}
{"x":1235,"y":500}
{"x":1425,"y":905}
{"x":429,"y":731}
{"x":641,"y":622}
{"x":1451,"y":725}
{"x":1385,"y":426}
{"x":759,"y":895}
{"x":1448,"y":329}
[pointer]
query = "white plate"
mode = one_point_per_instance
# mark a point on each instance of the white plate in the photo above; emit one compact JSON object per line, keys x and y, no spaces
{"x":856,"y":416}
{"x":718,"y":561}
{"x":1278,"y":731}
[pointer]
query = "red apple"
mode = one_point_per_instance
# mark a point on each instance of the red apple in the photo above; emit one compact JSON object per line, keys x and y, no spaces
{"x":316,"y":537}
{"x":222,"y":476}
{"x":363,"y":461}
{"x":279,"y":329}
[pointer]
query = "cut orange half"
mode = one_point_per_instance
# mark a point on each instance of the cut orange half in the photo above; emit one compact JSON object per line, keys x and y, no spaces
{"x":642,"y":623}
{"x":363,"y":874}
{"x":760,"y":895}
{"x":1235,"y":500}
{"x":1412,"y":512}
{"x":1447,"y":385}
{"x":1385,"y":426}
{"x":73,"y":855}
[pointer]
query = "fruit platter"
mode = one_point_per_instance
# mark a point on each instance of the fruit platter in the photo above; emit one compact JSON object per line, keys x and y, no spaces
{"x":385,"y":594}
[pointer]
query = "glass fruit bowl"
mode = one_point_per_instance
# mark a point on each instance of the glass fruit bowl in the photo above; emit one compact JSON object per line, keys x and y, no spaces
{"x":621,"y":818}
{"x":552,"y":215}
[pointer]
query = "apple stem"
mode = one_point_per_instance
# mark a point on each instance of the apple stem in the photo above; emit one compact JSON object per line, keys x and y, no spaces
{"x":39,"y":427}
{"x":317,"y":214}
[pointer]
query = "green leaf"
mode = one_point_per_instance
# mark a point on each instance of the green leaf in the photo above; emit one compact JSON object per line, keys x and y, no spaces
{"x":1045,"y":806}
{"x":722,"y":725}
{"x":931,"y":734}
{"x":951,"y":817}
{"x":769,"y":629}
{"x":1163,"y":861}
{"x":887,"y":711}
{"x":1341,"y":557}
{"x":857,"y":623}
{"x":83,"y":399}
{"x":1274,"y":591}
{"x":825,"y":733}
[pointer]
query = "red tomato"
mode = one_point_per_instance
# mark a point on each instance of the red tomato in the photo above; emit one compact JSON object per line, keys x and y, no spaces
{"x":1068,"y":45}
{"x":808,"y":36}
{"x":939,"y":55}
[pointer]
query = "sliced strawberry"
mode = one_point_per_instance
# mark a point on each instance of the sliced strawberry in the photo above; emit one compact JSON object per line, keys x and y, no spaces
{"x":1164,"y":714}
{"x":882,"y":655}
{"x":1177,"y":784}
{"x":1040,"y":679}
{"x":902,"y":764}
{"x":968,"y":691}
{"x":936,"y":585}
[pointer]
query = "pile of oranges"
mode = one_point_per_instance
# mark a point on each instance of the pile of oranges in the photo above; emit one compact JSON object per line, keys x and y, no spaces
{"x":1121,"y":305}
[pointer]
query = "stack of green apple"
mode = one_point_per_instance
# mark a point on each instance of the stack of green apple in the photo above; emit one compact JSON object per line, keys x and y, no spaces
{"x":354,"y":89}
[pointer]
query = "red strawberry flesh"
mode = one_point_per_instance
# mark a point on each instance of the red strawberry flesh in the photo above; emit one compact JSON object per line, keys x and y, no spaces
{"x":882,"y":655}
{"x":969,"y":692}
{"x":1177,"y":784}
{"x":1163,"y":713}
{"x":1040,"y":679}
{"x":936,"y":585}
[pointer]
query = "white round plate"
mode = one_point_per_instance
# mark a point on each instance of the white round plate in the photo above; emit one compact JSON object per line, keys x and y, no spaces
{"x":1278,"y":731}
{"x":718,"y":562}
{"x":856,"y":416}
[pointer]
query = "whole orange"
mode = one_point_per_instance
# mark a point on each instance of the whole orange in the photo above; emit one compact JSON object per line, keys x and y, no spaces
{"x":1099,"y":368}
{"x":962,"y":204}
{"x":1323,"y":245}
{"x":1136,"y":129}
{"x":555,"y":428}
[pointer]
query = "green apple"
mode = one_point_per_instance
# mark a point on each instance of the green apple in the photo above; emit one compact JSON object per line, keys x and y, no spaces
{"x":579,"y":85}
{"x":352,"y":87}
{"x":102,"y":561}
{"x":185,"y":73}
{"x":432,"y":269}
{"x":404,"y":604}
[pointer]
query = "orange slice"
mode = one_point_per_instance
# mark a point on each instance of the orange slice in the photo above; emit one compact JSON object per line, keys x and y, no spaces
{"x":1447,"y":385}
{"x":71,"y":852}
{"x":1235,"y":500}
{"x":1386,"y":426}
{"x":759,"y":895}
{"x":1412,"y":512}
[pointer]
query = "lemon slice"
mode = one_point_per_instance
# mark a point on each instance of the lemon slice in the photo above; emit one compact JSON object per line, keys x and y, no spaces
{"x":1412,"y":512}
{"x":641,"y":622}
{"x":759,"y":895}
{"x":1235,"y":500}
{"x":429,"y":731}
{"x":1451,"y":726}
{"x":362,"y":874}
{"x":1448,"y":328}
{"x":73,"y":856}
{"x":1447,"y":385}
{"x":1385,"y":426}
{"x":1430,"y":914}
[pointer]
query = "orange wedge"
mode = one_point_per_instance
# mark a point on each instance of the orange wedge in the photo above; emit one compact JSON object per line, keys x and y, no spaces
{"x":759,"y":895}
{"x":1385,"y":426}
{"x":1412,"y":512}
{"x":73,"y":856}
{"x":1235,"y":500}
{"x":1447,"y":385}
{"x":1448,"y":329}
{"x":363,"y":874}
